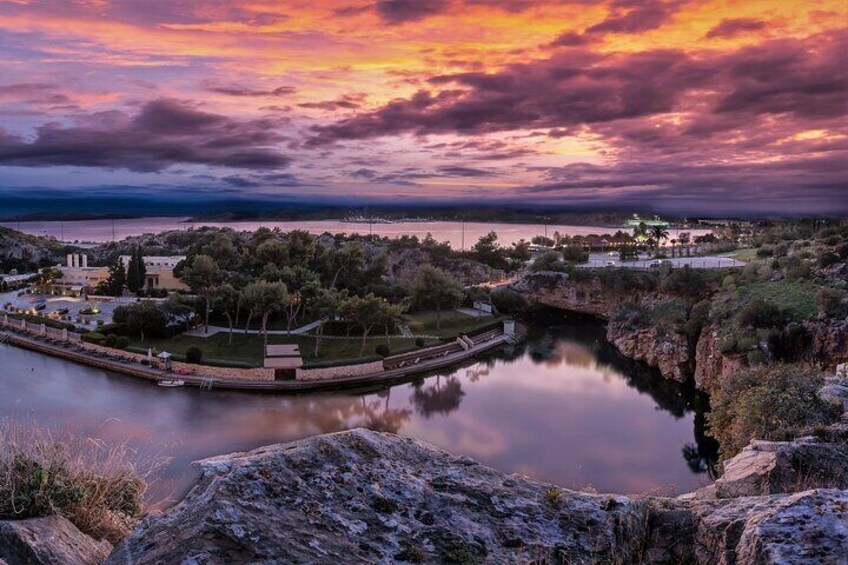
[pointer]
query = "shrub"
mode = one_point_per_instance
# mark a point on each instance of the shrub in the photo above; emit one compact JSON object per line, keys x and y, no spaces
{"x":765,"y":251}
{"x":828,"y":259}
{"x":419,"y":342}
{"x":632,"y":315}
{"x":508,"y":301}
{"x":755,"y":357}
{"x":43,"y":472}
{"x":382,"y":350}
{"x":100,"y":323}
{"x":575,"y":253}
{"x":94,"y":337}
{"x":776,"y":402}
{"x":193,"y":355}
{"x":833,"y":302}
{"x":122,"y":342}
{"x":110,"y":340}
{"x":759,"y":313}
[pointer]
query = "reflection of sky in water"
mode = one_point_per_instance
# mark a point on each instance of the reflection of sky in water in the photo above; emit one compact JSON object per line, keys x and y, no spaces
{"x":556,"y":413}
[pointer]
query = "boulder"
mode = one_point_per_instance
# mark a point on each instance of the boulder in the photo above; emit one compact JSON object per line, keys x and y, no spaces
{"x":806,"y":528}
{"x":369,"y":497}
{"x":770,"y":467}
{"x":52,"y":540}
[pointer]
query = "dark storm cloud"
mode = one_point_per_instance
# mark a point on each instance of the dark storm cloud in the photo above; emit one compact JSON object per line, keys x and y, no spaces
{"x":165,"y":132}
{"x":346,"y":102}
{"x":402,"y":11}
{"x":457,"y":171}
{"x":636,"y":16}
{"x":732,"y":27}
{"x":33,"y":93}
{"x":236,"y":90}
{"x":571,"y":39}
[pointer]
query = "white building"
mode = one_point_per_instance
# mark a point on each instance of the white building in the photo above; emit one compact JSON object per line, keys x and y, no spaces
{"x":159,"y":271}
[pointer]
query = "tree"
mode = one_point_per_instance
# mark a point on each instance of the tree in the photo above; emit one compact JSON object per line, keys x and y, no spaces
{"x":348,"y":259}
{"x":627,"y":253}
{"x":369,"y":312}
{"x":136,"y":271}
{"x":434,"y":288}
{"x":685,"y":238}
{"x":181,"y":308}
{"x":144,"y":318}
{"x":325,"y":305}
{"x":117,"y":278}
{"x":264,"y":298}
{"x":228,"y":301}
{"x":203,"y":276}
{"x":302,"y":284}
{"x":489,"y":252}
{"x":659,"y":233}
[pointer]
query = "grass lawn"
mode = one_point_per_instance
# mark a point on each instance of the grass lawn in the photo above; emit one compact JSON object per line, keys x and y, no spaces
{"x":800,"y":298}
{"x":247,"y":349}
{"x":746,"y":255}
{"x":453,"y":323}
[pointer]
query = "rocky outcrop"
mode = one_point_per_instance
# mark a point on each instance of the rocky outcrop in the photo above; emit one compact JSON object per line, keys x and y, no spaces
{"x":809,"y":527}
{"x":711,"y":366}
{"x":369,"y":497}
{"x":667,"y":352}
{"x":769,"y":467}
{"x":48,"y":541}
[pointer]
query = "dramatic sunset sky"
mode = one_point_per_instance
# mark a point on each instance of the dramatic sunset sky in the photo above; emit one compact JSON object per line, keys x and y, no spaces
{"x":713,"y":106}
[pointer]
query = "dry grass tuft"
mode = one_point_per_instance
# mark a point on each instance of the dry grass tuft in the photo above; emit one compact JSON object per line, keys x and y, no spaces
{"x":44,"y":471}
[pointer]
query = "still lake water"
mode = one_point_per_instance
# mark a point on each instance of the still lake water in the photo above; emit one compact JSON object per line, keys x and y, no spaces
{"x":563,"y":407}
{"x":102,"y":230}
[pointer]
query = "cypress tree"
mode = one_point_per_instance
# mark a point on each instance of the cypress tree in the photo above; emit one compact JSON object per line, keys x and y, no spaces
{"x":132,"y":271}
{"x":142,"y":270}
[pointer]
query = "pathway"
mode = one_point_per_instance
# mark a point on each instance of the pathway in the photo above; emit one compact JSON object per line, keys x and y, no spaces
{"x":199,"y":331}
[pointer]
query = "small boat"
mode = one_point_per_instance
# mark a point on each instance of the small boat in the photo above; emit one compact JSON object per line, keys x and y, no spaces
{"x":171,"y":383}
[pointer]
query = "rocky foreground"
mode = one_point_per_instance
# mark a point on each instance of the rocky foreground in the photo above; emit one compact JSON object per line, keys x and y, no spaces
{"x":370,"y":497}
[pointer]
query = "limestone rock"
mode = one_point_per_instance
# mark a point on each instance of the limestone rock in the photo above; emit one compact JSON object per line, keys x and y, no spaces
{"x":369,"y":497}
{"x":809,"y":527}
{"x":770,"y":467}
{"x":667,"y":352}
{"x":48,"y":541}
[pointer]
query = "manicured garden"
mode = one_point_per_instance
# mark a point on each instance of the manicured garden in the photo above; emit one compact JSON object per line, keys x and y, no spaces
{"x":246,"y":349}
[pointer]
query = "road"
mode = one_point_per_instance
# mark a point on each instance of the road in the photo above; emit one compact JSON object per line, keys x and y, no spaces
{"x":706,"y":262}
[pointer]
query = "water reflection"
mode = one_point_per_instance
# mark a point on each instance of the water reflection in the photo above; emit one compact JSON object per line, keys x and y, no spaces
{"x":563,"y":407}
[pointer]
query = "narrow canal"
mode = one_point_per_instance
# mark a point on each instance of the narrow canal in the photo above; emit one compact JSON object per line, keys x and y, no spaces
{"x":563,"y":407}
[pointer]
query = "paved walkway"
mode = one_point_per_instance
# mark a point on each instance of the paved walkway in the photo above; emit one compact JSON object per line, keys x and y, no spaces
{"x":199,"y":331}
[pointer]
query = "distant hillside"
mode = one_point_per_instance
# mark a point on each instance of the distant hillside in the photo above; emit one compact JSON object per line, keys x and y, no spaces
{"x":27,"y":253}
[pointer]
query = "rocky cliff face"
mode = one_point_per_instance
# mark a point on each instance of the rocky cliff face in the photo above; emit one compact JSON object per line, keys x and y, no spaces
{"x":369,"y":497}
{"x":667,"y":352}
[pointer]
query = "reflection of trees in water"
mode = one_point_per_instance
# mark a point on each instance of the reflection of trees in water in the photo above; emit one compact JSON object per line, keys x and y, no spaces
{"x":549,"y":329}
{"x":438,"y":398}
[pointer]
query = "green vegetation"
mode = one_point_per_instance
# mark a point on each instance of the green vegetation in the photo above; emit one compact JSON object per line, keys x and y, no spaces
{"x":42,"y":472}
{"x":799,"y":299}
{"x":777,"y":402}
{"x":247,"y":350}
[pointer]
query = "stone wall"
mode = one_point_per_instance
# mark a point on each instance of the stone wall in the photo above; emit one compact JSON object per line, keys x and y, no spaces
{"x":226,"y":373}
{"x":328,"y":373}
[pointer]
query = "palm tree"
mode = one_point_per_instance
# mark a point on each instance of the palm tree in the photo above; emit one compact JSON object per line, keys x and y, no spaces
{"x":659,"y":232}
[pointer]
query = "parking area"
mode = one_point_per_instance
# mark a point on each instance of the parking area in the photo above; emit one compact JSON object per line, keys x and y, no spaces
{"x":76,"y":311}
{"x":706,"y":262}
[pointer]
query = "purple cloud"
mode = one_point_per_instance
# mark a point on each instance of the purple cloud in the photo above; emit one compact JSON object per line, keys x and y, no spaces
{"x":165,"y":132}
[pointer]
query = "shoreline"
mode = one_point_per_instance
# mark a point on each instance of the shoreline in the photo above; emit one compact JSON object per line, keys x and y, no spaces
{"x":379,"y":379}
